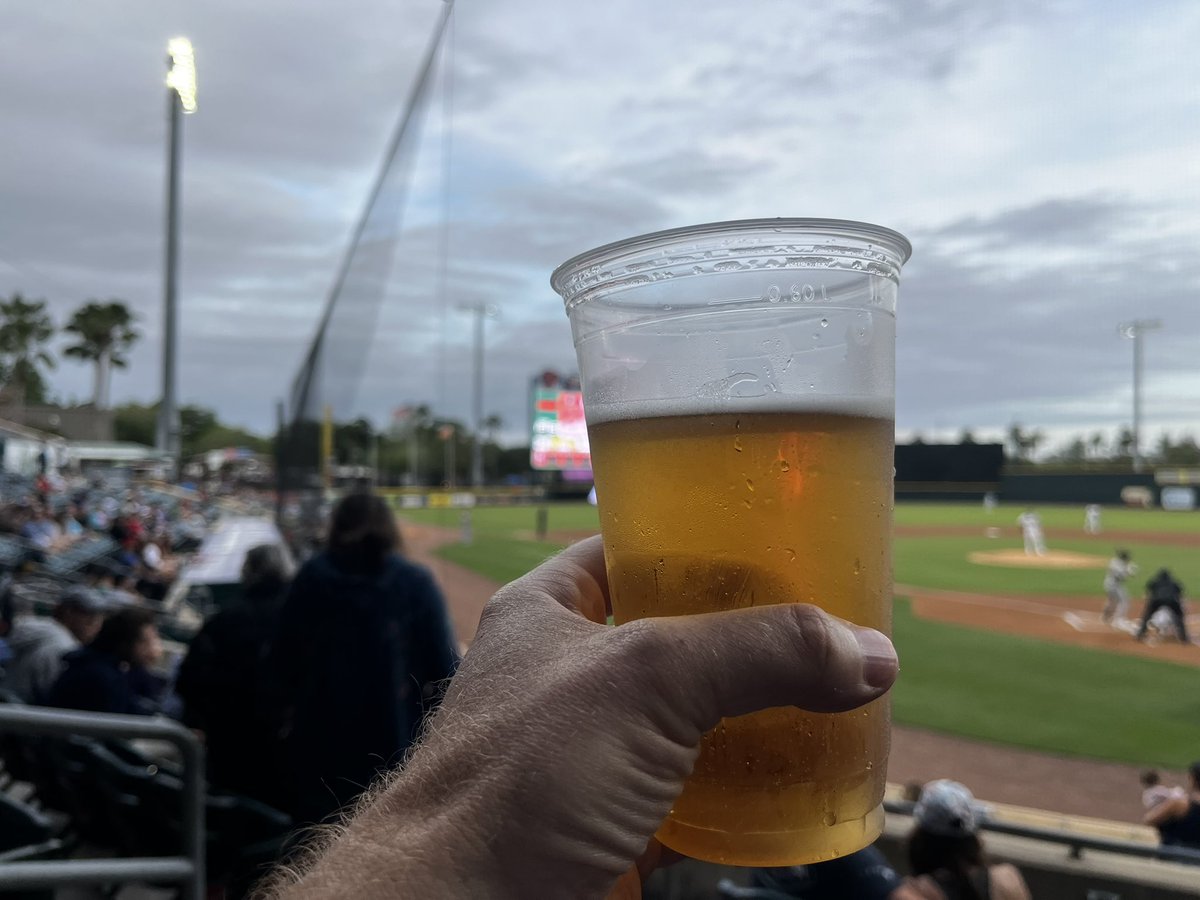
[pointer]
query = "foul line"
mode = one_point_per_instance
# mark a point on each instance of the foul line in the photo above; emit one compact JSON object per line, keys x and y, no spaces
{"x":1082,"y":620}
{"x":992,"y":600}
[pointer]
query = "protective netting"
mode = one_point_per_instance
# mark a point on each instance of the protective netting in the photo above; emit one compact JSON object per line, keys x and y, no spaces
{"x":329,"y":376}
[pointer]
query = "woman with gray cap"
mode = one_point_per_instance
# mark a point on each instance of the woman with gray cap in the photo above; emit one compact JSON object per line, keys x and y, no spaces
{"x":945,"y":854}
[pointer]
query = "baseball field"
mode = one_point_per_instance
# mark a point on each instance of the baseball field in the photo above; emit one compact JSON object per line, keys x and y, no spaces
{"x":994,"y":645}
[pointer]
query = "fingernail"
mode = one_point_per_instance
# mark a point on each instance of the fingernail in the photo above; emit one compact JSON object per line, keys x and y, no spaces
{"x":879,"y":657}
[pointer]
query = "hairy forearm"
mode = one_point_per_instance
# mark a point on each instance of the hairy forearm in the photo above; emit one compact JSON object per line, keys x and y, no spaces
{"x":374,"y":862}
{"x":416,"y":834}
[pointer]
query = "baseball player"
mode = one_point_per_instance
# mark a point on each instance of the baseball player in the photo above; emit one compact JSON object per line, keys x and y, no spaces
{"x":1120,"y":569}
{"x":1031,"y":531}
{"x":1091,"y":519}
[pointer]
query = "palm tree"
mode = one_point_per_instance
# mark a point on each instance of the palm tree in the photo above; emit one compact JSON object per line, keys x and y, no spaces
{"x":105,"y":332}
{"x":25,"y":328}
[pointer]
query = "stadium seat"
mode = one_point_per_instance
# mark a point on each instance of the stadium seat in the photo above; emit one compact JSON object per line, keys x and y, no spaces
{"x":26,"y":835}
{"x":15,"y":751}
{"x":21,"y":825}
{"x":139,"y":805}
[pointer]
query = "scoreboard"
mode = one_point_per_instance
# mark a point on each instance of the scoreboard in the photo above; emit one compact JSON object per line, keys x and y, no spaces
{"x":559,"y":440}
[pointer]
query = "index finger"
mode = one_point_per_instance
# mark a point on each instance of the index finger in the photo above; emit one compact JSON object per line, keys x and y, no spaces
{"x":575,"y":579}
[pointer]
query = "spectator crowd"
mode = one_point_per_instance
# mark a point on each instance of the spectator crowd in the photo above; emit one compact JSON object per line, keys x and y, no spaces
{"x":303,"y":690}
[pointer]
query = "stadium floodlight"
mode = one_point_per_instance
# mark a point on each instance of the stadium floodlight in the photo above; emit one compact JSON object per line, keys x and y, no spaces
{"x":480,"y":311}
{"x":1133,"y":331}
{"x":181,"y":77}
{"x":181,"y":99}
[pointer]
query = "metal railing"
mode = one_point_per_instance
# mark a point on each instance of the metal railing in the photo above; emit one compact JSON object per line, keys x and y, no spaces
{"x":186,"y":870}
{"x":1074,"y":842}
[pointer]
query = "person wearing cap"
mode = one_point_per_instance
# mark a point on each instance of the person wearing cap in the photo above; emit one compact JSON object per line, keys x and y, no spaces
{"x":39,"y":643}
{"x":945,"y":855}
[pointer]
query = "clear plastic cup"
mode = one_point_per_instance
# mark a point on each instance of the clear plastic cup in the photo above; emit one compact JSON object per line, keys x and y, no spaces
{"x":738,"y":384}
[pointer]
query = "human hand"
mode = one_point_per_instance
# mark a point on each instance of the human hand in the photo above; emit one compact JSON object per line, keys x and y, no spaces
{"x":562,"y":743}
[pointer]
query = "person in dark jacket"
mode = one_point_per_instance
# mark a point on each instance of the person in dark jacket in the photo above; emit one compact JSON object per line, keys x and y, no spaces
{"x":112,"y":674}
{"x":865,"y":875}
{"x":364,"y":645}
{"x":1164,"y":592}
{"x":223,"y":682}
{"x":1178,"y":818}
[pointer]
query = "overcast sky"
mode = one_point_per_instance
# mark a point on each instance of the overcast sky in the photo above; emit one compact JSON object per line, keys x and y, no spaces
{"x":1043,"y":157}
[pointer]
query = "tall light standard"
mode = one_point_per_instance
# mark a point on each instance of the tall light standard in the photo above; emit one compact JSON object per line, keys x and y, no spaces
{"x":181,"y":99}
{"x":1134,"y":331}
{"x":481,"y":311}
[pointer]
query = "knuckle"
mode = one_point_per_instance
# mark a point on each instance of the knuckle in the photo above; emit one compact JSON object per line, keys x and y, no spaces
{"x":501,"y":606}
{"x":813,"y":636}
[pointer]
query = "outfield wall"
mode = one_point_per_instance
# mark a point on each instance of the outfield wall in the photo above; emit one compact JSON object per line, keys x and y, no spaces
{"x":1089,"y":487}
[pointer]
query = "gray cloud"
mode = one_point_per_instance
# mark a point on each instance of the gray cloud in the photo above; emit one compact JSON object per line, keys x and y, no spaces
{"x":573,"y":128}
{"x":1069,"y":221}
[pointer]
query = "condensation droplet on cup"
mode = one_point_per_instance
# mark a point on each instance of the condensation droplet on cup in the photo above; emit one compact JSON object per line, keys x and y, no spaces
{"x":791,"y":554}
{"x":747,"y":503}
{"x":785,"y":466}
{"x":737,"y":444}
{"x":830,"y":819}
{"x":749,"y":485}
{"x":824,"y":323}
{"x":857,"y":566}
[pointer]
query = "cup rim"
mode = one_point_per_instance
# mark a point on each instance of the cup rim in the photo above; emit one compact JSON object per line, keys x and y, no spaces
{"x":886,"y":238}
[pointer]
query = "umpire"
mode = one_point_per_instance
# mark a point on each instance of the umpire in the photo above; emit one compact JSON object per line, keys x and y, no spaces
{"x":1163,"y":591}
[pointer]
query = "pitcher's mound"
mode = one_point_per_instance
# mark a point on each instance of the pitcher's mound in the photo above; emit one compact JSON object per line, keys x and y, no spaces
{"x":1053,"y":559}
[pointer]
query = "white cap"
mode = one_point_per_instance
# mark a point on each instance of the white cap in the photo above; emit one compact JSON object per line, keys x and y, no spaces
{"x":948,"y":809}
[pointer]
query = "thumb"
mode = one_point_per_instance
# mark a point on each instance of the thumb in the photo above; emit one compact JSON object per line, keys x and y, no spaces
{"x":717,"y":665}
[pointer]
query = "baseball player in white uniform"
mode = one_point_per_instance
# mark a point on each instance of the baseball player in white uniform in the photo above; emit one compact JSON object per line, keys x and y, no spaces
{"x":1120,"y":570}
{"x":1091,"y":519}
{"x":1031,"y":531}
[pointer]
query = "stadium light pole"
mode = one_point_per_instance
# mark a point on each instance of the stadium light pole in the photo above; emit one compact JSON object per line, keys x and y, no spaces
{"x":181,"y":100}
{"x":1133,"y":331}
{"x":481,"y":311}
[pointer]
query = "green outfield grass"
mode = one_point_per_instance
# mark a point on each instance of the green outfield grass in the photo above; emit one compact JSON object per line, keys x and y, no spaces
{"x":1113,"y":518}
{"x":499,"y":558}
{"x":1045,"y":696}
{"x":942,"y":562}
{"x":980,"y":684}
{"x":499,"y":521}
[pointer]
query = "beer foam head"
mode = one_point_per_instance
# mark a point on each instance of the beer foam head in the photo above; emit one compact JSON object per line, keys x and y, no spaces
{"x":862,"y":407}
